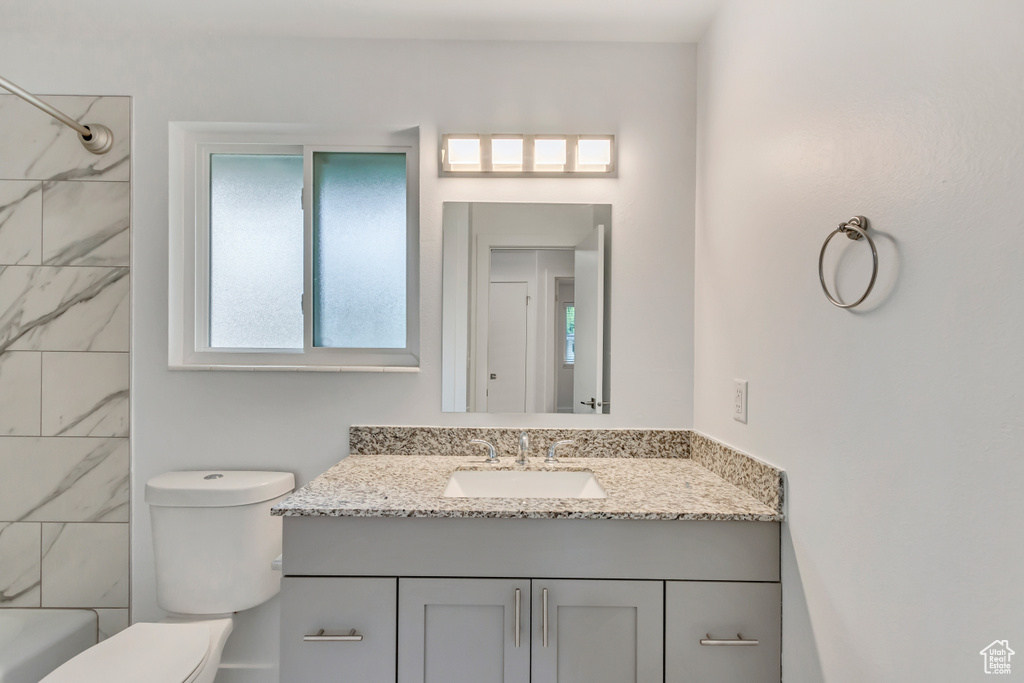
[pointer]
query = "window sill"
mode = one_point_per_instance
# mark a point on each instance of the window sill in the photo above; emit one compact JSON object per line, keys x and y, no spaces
{"x":297,"y":368}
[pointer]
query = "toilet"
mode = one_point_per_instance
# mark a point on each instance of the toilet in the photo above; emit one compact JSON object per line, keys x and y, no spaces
{"x":214,"y":541}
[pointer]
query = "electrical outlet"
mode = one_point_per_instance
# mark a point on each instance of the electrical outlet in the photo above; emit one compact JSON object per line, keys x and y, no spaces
{"x":739,"y":400}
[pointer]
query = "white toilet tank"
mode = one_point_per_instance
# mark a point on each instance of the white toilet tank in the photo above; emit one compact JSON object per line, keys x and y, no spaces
{"x":214,"y":538}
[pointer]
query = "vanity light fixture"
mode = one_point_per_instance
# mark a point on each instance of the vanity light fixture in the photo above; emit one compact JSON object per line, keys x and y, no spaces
{"x":593,"y":154}
{"x":524,"y":156}
{"x":549,"y":154}
{"x":464,"y":153}
{"x":507,"y":153}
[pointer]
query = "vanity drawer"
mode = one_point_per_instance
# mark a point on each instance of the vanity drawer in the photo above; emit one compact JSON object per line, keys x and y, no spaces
{"x":337,"y":606}
{"x":719,"y":613}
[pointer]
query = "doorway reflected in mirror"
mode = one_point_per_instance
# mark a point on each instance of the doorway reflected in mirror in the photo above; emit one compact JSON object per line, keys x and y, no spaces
{"x":526,"y":308}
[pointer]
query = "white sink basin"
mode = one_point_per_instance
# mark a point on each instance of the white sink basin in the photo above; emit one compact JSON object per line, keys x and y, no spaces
{"x":523,"y":484}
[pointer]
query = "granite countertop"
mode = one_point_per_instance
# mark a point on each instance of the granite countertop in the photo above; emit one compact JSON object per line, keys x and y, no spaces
{"x":413,"y":486}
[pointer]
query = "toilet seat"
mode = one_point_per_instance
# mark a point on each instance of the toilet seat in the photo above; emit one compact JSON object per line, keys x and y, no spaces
{"x":154,"y":653}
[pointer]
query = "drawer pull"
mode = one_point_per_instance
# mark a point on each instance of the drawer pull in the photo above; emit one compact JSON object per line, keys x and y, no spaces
{"x":740,"y":640}
{"x":544,"y":595}
{"x":321,"y":637}
{"x":519,"y":613}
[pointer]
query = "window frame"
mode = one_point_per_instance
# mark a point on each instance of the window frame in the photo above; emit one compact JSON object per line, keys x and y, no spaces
{"x":191,"y":147}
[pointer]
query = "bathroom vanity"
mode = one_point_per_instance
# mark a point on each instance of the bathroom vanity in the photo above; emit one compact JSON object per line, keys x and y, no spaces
{"x":672,"y":576}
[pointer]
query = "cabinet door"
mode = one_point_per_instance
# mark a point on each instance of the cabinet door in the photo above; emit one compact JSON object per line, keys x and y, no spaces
{"x":597,"y":631}
{"x":727,"y":617}
{"x":472,"y":630}
{"x":338,"y":605}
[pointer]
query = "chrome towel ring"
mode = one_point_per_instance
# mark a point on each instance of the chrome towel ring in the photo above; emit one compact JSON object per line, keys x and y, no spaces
{"x":855,"y":228}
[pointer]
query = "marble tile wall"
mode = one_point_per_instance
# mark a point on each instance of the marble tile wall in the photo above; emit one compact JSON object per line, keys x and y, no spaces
{"x":64,"y":360}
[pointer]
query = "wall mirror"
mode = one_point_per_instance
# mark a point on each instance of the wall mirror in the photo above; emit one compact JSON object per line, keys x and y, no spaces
{"x":526,"y":308}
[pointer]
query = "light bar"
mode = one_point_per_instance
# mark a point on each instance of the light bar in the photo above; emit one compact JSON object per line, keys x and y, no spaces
{"x":507,"y":153}
{"x":521,"y":155}
{"x":464,"y":153}
{"x":549,"y":153}
{"x":593,"y":154}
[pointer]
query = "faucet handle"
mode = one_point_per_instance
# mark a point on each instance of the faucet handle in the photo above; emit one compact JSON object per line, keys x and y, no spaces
{"x":492,"y":457}
{"x":551,"y":451}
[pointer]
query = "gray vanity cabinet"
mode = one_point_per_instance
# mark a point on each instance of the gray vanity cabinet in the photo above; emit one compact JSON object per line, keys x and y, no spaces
{"x":464,"y":630}
{"x":479,"y":630}
{"x":633,"y":600}
{"x":597,"y":631}
{"x":711,"y":628}
{"x":338,"y":606}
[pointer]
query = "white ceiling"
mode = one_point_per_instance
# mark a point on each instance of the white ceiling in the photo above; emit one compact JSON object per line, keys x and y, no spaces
{"x":573,"y":20}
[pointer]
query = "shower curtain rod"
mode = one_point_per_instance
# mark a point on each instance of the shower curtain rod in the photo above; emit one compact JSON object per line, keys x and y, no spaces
{"x":95,"y":137}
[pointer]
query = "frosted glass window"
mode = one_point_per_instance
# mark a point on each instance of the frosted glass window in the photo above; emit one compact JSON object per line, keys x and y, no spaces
{"x":256,"y":251}
{"x":360,"y":232}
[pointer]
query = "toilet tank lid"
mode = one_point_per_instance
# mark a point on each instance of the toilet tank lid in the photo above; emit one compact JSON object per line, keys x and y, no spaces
{"x":216,"y":488}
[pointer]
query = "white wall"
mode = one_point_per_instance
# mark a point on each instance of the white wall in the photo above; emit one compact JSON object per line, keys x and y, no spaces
{"x":899,"y":424}
{"x":645,"y":94}
{"x":455,"y":307}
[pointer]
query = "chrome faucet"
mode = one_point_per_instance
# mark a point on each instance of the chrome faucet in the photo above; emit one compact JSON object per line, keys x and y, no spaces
{"x":492,"y":457}
{"x":551,"y":451}
{"x":524,"y":444}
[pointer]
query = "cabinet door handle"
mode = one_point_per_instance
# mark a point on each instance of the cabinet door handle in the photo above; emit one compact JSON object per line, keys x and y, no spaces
{"x":740,"y":640}
{"x":544,"y":614}
{"x":519,"y":597}
{"x":321,"y":637}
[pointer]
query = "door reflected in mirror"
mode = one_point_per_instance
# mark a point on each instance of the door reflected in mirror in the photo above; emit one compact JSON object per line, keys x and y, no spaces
{"x":526,"y":308}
